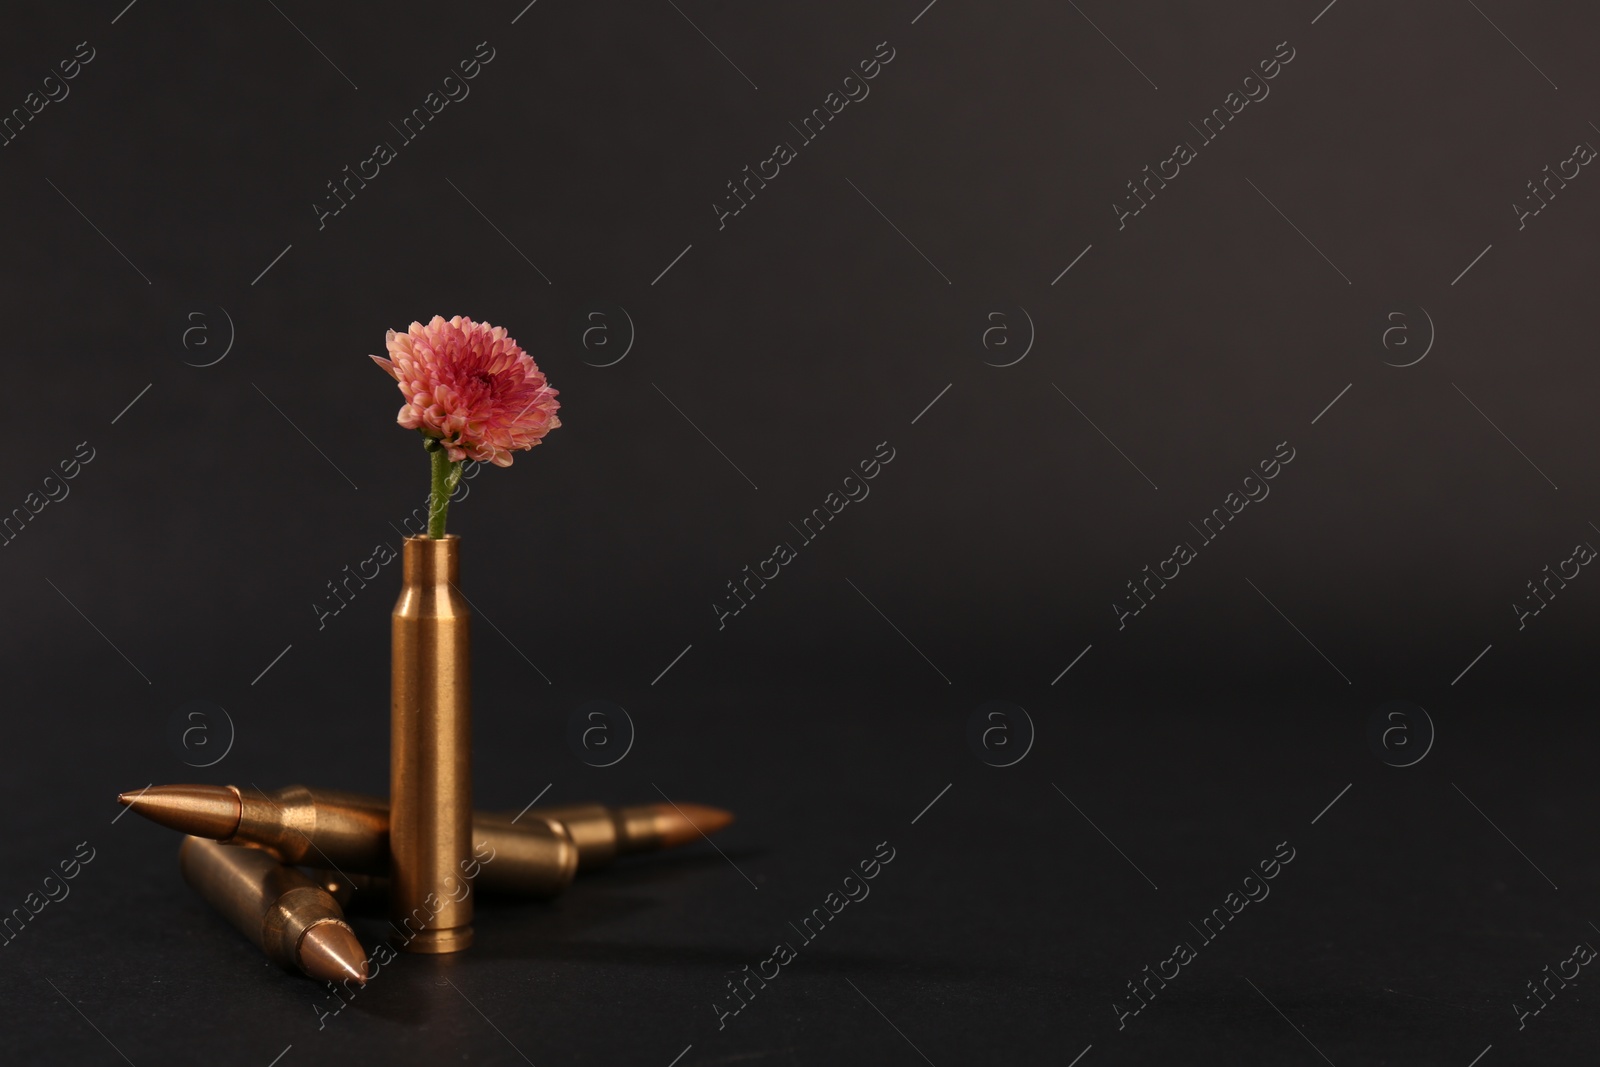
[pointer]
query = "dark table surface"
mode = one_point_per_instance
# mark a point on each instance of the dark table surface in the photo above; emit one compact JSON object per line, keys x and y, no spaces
{"x":1019,"y":902}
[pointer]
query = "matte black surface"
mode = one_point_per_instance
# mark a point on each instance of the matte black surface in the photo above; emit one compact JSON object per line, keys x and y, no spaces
{"x":1002,"y":932}
{"x":170,"y":619}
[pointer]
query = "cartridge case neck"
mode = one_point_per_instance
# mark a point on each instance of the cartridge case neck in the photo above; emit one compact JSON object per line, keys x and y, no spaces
{"x":602,"y":833}
{"x":315,"y":827}
{"x":283,"y":821}
{"x":425,"y":561}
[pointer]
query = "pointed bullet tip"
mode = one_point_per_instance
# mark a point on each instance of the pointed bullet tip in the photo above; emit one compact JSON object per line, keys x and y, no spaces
{"x":687,"y":821}
{"x":331,"y":952}
{"x":203,"y":810}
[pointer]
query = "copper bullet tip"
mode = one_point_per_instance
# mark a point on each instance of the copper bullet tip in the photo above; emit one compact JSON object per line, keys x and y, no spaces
{"x":202,"y":810}
{"x":330,"y":951}
{"x":683,"y":823}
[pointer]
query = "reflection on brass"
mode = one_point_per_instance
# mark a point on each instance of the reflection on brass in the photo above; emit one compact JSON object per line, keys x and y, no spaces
{"x":347,"y":888}
{"x":430,"y":752}
{"x":292,"y":919}
{"x":349,"y":833}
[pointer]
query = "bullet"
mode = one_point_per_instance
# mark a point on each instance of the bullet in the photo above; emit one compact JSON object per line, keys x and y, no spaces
{"x":292,"y":919}
{"x":603,"y":833}
{"x":430,"y":749}
{"x":349,"y":833}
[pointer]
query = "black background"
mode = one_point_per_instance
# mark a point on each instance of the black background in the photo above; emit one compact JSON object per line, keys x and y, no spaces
{"x":1220,"y":321}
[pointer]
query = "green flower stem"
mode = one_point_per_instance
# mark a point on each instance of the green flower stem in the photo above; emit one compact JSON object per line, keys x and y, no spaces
{"x":446,"y":476}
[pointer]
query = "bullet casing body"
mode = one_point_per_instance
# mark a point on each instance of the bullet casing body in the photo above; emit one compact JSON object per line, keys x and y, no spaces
{"x":601,"y":832}
{"x":272,"y":904}
{"x":430,"y":757}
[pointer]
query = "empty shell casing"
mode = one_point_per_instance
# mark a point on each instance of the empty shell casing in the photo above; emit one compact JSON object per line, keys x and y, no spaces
{"x":430,"y":750}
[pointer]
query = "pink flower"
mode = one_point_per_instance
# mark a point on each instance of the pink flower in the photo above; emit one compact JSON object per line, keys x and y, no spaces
{"x":472,"y":387}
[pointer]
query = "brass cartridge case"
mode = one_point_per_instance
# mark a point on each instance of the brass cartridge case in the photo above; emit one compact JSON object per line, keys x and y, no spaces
{"x":430,"y":754}
{"x":529,"y":858}
{"x":286,"y":914}
{"x":603,"y":833}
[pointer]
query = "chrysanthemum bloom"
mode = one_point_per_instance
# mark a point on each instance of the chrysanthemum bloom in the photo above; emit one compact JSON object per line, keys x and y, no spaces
{"x":472,"y":392}
{"x":472,"y":387}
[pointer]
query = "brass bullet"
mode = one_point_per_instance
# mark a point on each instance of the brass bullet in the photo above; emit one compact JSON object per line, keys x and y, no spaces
{"x":430,"y":750}
{"x":292,"y":919}
{"x":349,"y":833}
{"x":603,"y":833}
